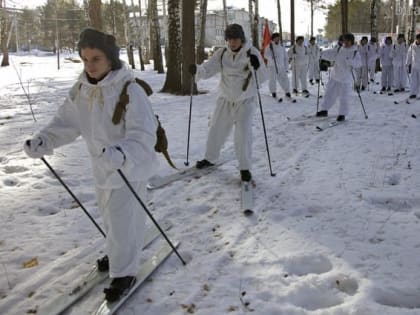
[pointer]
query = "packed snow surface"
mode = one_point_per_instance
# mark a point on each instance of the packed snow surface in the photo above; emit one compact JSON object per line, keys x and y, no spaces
{"x":336,"y":231}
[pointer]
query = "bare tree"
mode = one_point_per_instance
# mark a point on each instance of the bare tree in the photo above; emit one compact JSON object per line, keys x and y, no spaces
{"x":173,"y":82}
{"x":4,"y":25}
{"x":255,"y":37}
{"x":155,"y":36}
{"x":412,"y":35}
{"x":251,"y":17}
{"x":188,"y":43}
{"x":95,"y":14}
{"x":201,"y":44}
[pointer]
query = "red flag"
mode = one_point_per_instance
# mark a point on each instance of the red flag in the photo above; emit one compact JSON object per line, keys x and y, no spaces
{"x":266,"y":39}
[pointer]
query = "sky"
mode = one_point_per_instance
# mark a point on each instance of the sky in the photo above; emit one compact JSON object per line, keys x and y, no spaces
{"x":268,"y":9}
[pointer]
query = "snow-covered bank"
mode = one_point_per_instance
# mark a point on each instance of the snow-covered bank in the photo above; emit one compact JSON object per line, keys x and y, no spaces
{"x":336,"y":231}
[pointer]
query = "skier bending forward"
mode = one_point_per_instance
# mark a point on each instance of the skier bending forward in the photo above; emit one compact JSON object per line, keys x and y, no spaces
{"x":346,"y":58}
{"x":237,"y":97}
{"x":129,"y":145}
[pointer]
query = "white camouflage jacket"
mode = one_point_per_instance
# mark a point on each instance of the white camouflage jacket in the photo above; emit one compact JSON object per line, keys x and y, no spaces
{"x":87,"y":111}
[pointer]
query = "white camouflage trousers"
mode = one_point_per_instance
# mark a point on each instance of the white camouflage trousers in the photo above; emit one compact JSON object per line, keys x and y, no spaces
{"x":299,"y":75}
{"x":226,"y":115}
{"x":313,"y":70}
{"x":124,"y":225}
{"x":415,"y":81}
{"x":281,"y":77}
{"x":400,"y":77}
{"x":337,"y":90}
{"x":387,"y":76}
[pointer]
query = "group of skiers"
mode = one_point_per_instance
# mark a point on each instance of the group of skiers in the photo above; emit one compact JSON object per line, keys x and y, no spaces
{"x":127,"y":144}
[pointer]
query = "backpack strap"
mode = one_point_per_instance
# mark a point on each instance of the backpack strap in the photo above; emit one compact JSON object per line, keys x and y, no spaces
{"x":248,"y":78}
{"x":221,"y":57}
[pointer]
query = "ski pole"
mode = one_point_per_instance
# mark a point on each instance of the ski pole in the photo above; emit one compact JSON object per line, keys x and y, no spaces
{"x":358,"y":93}
{"x":150,"y":215}
{"x":263,"y":123}
{"x":189,"y":121}
{"x":73,"y":195}
{"x":319,"y":84}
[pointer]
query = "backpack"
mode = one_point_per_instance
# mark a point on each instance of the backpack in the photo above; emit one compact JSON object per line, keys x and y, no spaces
{"x":161,"y":145}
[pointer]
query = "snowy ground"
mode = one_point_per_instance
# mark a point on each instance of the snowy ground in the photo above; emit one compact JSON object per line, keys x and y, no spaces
{"x":336,"y":231}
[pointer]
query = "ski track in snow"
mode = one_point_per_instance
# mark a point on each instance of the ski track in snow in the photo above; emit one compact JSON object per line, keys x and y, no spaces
{"x":335,"y":231}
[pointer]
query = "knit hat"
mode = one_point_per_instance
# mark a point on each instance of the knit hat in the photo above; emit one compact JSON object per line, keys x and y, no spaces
{"x":275,"y":35}
{"x":349,"y":37}
{"x":235,"y":31}
{"x":92,"y":38}
{"x":400,"y":36}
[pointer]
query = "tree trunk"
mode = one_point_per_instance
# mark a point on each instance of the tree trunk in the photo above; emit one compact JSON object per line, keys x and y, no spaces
{"x":256,"y":39}
{"x":225,"y":15}
{"x":113,"y":26}
{"x":188,"y":43}
{"x":4,"y":30}
{"x":157,"y":51}
{"x":95,"y":17}
{"x":127,"y":36}
{"x":279,"y":20}
{"x":406,"y":13}
{"x":202,"y":42}
{"x":173,"y":82}
{"x":292,"y":22}
{"x":251,"y":18}
{"x":412,"y":36}
{"x":373,"y":26}
{"x":344,"y":16}
{"x":138,"y":34}
{"x":312,"y":18}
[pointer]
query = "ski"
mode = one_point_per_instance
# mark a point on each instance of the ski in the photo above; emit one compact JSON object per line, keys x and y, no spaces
{"x":329,"y":125}
{"x":108,"y":308}
{"x":247,"y":197}
{"x":309,"y":118}
{"x":158,"y":182}
{"x":77,"y":291}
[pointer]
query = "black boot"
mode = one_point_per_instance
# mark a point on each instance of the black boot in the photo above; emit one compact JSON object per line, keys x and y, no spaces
{"x":413,"y":96}
{"x":203,"y":164}
{"x":288,"y":95}
{"x":295,"y":91}
{"x":246,"y":175}
{"x":305,"y":92}
{"x":274,"y":95}
{"x":311,"y":82}
{"x":341,"y":118}
{"x":322,"y":113}
{"x":317,"y":80}
{"x":118,"y":288}
{"x":103,"y":264}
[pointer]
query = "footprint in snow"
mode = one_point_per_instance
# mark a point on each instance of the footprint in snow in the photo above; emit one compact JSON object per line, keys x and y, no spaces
{"x":308,"y":264}
{"x":14,"y":169}
{"x":11,"y":181}
{"x":398,"y":297}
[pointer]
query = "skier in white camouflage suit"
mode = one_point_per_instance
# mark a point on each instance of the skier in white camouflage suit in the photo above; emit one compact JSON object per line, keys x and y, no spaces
{"x":298,"y":57}
{"x":278,"y":65}
{"x":346,"y":58}
{"x":362,"y":72}
{"x":237,"y":97}
{"x":313,"y":65}
{"x":413,"y":61}
{"x":127,"y":146}
{"x":386,"y":64}
{"x":399,"y":57}
{"x":373,"y":55}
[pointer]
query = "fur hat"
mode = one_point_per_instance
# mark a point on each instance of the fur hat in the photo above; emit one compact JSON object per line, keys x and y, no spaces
{"x":300,"y":38}
{"x":235,"y":31}
{"x":364,"y":38}
{"x":92,"y":38}
{"x":401,"y":36}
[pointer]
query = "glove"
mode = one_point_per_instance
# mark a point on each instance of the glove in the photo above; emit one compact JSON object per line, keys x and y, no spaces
{"x":192,"y":69}
{"x":112,"y":158}
{"x":35,"y":148}
{"x":255,"y":62}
